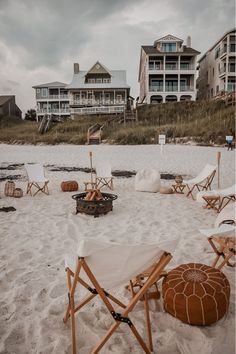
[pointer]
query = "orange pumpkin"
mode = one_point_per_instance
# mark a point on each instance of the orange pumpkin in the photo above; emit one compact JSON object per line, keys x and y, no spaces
{"x":69,"y":186}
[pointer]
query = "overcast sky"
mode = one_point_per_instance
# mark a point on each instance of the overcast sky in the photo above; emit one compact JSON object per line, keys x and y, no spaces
{"x":41,"y":39}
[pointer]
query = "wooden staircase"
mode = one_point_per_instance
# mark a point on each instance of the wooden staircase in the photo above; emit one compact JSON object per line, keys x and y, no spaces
{"x":94,"y":134}
{"x":45,"y":123}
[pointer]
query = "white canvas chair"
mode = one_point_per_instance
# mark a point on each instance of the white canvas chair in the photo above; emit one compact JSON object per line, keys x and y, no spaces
{"x":36,"y":178}
{"x":104,"y":177}
{"x":218,"y":199}
{"x":202,"y":181}
{"x":100,"y":267}
{"x":222,"y":240}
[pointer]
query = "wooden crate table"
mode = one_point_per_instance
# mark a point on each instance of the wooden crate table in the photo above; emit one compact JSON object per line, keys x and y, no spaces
{"x":212,"y":201}
{"x":179,"y":188}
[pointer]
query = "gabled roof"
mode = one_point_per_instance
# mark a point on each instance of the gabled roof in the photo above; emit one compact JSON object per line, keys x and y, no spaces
{"x":98,"y":68}
{"x":5,"y":98}
{"x":168,"y":38}
{"x":150,"y":49}
{"x":118,"y":79}
{"x":51,"y":84}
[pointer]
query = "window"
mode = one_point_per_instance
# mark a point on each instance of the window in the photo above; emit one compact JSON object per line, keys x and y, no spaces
{"x":217,"y":52}
{"x":99,"y":80}
{"x":38,"y":90}
{"x":106,"y":80}
{"x":91,"y":81}
{"x":44,"y":92}
{"x":119,"y":98}
{"x":217,"y":88}
{"x":168,"y":47}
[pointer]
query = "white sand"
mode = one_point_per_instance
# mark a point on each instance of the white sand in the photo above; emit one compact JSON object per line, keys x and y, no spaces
{"x":36,"y":236}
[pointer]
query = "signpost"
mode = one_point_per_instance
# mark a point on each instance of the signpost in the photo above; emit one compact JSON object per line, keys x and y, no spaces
{"x":218,"y":165}
{"x":161,"y":141}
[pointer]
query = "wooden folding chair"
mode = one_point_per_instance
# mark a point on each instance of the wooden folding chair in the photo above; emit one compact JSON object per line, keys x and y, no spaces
{"x":36,"y":178}
{"x":224,"y":247}
{"x":202,"y":182}
{"x":222,"y":240}
{"x":104,"y":177}
{"x":86,"y":277}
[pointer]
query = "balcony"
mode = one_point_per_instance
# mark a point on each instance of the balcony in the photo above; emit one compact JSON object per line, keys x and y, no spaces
{"x":223,"y":51}
{"x":54,"y":97}
{"x":156,"y":88}
{"x":172,"y":67}
{"x":231,"y":87}
{"x":173,"y":88}
{"x":94,"y":102}
{"x":53,"y":111}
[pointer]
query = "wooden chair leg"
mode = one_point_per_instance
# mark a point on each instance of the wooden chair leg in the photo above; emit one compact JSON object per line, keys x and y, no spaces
{"x":148,"y":322}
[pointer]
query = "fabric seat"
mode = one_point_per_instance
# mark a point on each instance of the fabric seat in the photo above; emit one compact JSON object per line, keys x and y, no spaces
{"x":36,"y":178}
{"x":100,"y":267}
{"x":104,"y":177}
{"x":202,"y":181}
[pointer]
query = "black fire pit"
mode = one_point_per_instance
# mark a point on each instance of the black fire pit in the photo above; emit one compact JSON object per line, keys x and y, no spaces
{"x":94,"y":207}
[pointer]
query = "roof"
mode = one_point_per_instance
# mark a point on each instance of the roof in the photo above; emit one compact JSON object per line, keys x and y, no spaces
{"x":5,"y":98}
{"x":168,"y":38}
{"x":150,"y":49}
{"x":118,"y":80}
{"x":98,"y":68}
{"x":216,"y":43}
{"x":51,"y":84}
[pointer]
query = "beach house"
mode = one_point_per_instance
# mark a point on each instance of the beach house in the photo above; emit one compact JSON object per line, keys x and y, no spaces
{"x":8,"y":106}
{"x":98,"y":90}
{"x":167,"y":71}
{"x":52,"y":98}
{"x":217,"y":67}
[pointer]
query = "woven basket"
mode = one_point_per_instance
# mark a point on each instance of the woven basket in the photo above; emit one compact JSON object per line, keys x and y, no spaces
{"x":9,"y":189}
{"x":69,"y":186}
{"x":18,"y":193}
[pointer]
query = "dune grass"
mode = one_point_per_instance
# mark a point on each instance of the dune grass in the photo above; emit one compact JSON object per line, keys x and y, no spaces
{"x":204,"y":122}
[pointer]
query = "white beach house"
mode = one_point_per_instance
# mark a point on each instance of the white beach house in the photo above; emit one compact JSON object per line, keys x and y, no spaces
{"x":167,"y":71}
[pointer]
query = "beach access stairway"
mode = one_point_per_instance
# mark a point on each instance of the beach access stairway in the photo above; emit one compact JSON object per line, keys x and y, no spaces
{"x":94,"y":134}
{"x":45,"y":123}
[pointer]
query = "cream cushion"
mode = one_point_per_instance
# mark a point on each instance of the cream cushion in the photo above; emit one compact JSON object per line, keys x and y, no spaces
{"x":147,"y":180}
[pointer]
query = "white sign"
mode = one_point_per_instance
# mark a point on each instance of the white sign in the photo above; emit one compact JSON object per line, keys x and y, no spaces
{"x":162,"y":139}
{"x":229,"y":138}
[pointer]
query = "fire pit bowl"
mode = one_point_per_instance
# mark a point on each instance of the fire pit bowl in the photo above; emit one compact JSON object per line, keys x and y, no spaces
{"x":94,"y":207}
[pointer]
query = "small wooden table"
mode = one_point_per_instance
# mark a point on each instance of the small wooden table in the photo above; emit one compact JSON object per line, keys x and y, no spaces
{"x":178,"y":188}
{"x":90,"y":185}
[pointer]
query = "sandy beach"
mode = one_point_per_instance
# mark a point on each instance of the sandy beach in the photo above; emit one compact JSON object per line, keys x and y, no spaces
{"x":36,"y":237}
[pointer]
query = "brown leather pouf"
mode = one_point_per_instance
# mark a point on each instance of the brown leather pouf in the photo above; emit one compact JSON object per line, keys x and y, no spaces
{"x":166,"y":190}
{"x":69,"y":186}
{"x":196,"y":293}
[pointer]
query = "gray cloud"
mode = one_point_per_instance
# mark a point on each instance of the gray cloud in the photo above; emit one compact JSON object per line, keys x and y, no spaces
{"x":39,"y":40}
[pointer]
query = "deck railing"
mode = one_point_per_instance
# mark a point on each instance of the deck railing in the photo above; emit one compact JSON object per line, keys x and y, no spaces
{"x":95,"y":102}
{"x":97,"y":110}
{"x":53,"y":110}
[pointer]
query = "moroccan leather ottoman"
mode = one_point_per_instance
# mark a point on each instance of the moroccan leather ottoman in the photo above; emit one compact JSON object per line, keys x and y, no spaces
{"x":196,"y":293}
